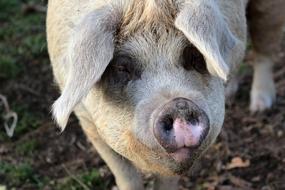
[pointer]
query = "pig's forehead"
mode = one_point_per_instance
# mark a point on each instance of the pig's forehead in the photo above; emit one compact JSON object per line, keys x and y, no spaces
{"x":147,"y":47}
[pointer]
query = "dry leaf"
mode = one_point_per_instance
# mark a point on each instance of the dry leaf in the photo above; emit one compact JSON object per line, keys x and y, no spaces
{"x":237,"y":162}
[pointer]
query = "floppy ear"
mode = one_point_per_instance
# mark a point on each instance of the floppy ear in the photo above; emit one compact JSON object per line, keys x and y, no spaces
{"x":203,"y":24}
{"x":89,"y":53}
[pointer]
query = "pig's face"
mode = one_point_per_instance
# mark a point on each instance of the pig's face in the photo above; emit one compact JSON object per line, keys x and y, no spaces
{"x":159,"y":105}
{"x":155,"y":84}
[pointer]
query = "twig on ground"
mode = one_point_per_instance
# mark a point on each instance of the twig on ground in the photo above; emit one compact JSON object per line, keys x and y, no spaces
{"x":28,"y":89}
{"x":8,"y":116}
{"x":4,"y":102}
{"x":85,"y":187}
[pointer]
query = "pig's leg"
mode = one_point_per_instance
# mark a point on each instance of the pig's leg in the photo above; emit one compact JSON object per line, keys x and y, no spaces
{"x":163,"y":183}
{"x":126,"y":175}
{"x":266,"y":19}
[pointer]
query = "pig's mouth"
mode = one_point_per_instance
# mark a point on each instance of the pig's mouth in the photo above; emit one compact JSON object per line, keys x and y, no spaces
{"x":184,"y":159}
{"x":187,"y":147}
{"x":185,"y":156}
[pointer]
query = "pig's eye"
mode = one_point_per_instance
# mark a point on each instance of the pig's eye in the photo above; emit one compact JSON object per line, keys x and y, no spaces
{"x":194,"y":60}
{"x":120,"y":71}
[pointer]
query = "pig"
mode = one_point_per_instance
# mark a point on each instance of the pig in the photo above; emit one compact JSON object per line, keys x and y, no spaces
{"x":147,"y":78}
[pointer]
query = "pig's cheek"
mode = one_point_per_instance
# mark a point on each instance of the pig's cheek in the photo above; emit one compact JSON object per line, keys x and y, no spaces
{"x":214,"y":106}
{"x":113,"y":128}
{"x":125,"y":142}
{"x":113,"y":135}
{"x":142,"y":126}
{"x":217,"y":114}
{"x":112,"y":124}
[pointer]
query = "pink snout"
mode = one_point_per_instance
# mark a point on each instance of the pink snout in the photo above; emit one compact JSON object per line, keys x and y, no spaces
{"x":180,"y":128}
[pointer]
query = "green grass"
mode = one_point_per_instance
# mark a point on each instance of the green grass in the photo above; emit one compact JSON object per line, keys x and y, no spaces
{"x":22,"y":37}
{"x":8,"y":66}
{"x":20,"y":174}
{"x":27,"y":148}
{"x":91,"y":179}
{"x":7,"y":7}
{"x":27,"y":121}
{"x":22,"y":40}
{"x":17,"y":175}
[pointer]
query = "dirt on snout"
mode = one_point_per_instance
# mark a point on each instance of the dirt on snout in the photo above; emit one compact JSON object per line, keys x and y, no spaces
{"x":249,"y":154}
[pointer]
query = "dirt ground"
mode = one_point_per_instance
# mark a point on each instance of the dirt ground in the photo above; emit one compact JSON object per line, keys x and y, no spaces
{"x":249,"y":154}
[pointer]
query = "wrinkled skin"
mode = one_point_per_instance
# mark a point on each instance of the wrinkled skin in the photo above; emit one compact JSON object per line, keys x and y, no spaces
{"x":119,"y":67}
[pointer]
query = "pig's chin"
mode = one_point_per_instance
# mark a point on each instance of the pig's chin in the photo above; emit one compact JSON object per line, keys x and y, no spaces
{"x":184,"y":159}
{"x":183,"y":155}
{"x":174,"y":163}
{"x":157,"y":161}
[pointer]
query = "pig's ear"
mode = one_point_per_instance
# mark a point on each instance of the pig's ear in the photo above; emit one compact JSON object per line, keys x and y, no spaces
{"x":90,"y":50}
{"x":203,"y":24}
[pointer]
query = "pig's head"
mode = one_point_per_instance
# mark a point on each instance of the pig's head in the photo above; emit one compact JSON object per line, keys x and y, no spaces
{"x":154,"y":79}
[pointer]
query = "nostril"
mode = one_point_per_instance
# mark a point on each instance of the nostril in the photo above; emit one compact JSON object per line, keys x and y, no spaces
{"x":164,"y":132}
{"x":167,"y":124}
{"x":193,"y":118}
